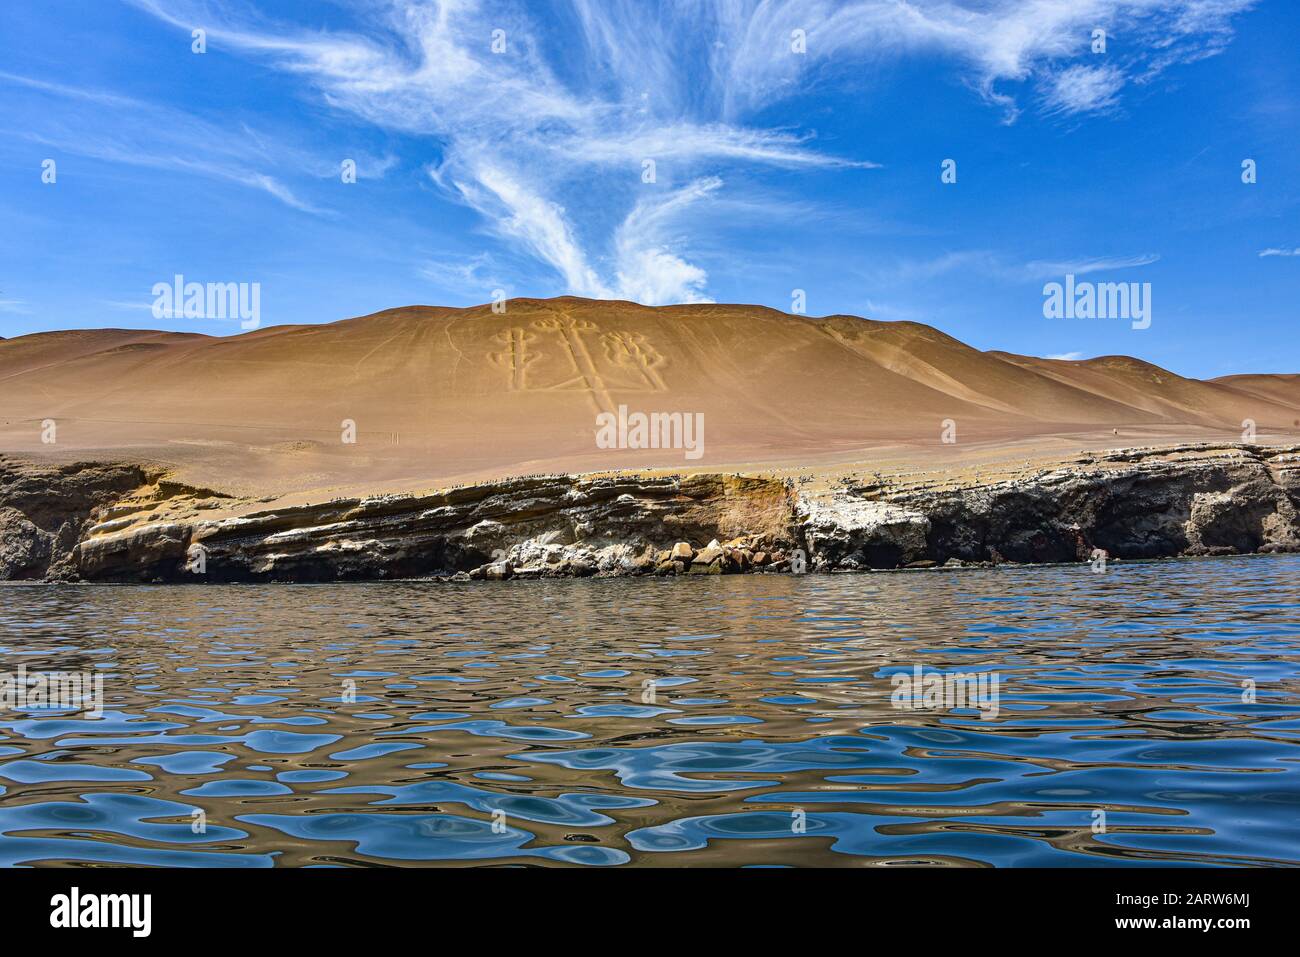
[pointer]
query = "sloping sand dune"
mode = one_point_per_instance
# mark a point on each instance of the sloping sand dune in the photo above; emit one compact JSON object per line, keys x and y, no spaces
{"x":1276,"y":388}
{"x":439,"y":393}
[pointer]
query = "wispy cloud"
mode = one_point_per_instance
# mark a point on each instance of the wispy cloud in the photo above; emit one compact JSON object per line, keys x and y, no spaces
{"x":523,"y":147}
{"x":648,"y":270}
{"x":999,"y":43}
{"x":707,"y":142}
{"x":1066,"y":356}
{"x":528,"y":134}
{"x":132,"y":132}
{"x":367,"y":165}
{"x":126,"y":305}
{"x":1084,"y":89}
{"x":61,"y":89}
{"x":1047,"y":269}
{"x":1274,"y":251}
{"x":518,"y":211}
{"x":903,"y":271}
{"x":998,"y":266}
{"x":463,"y":275}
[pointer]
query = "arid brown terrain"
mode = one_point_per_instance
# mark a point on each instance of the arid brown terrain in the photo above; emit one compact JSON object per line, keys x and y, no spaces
{"x":859,"y":444}
{"x":445,"y":395}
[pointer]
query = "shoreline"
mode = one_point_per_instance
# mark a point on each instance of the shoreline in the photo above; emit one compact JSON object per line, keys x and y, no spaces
{"x":445,"y":579}
{"x":122,"y":522}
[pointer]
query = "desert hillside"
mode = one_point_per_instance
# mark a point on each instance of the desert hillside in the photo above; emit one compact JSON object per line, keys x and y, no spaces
{"x":441,"y":394}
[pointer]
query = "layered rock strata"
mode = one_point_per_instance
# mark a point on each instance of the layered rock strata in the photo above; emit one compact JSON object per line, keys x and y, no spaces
{"x":117,"y":522}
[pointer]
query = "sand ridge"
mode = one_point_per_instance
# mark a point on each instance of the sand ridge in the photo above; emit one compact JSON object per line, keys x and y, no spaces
{"x":443,"y":394}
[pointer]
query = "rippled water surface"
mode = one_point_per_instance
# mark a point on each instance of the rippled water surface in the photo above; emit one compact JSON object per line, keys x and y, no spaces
{"x":515,"y":723}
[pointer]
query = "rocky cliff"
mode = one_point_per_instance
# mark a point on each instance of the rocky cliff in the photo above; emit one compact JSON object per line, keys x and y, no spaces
{"x":107,"y":522}
{"x":1129,"y":503}
{"x":45,"y":510}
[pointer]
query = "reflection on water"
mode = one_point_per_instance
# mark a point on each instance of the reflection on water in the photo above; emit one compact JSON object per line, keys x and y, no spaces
{"x":416,"y":723}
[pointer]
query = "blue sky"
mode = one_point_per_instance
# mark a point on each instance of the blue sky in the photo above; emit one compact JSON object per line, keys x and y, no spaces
{"x":775,"y":170}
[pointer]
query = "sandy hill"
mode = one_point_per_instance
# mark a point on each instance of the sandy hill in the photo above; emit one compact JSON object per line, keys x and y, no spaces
{"x":1276,"y":388}
{"x":438,"y":393}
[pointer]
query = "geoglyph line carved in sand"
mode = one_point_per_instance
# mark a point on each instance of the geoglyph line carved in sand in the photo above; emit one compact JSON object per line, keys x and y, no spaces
{"x":588,"y":377}
{"x":634,"y":350}
{"x":628,"y":361}
{"x":515,"y":357}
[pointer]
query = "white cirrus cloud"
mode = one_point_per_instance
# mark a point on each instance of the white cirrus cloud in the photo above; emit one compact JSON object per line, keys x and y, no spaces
{"x":998,"y":266}
{"x":546,"y":139}
{"x":1084,"y":89}
{"x":997,"y":43}
{"x":137,"y":133}
{"x":1047,"y":269}
{"x":648,"y":269}
{"x":462,"y":274}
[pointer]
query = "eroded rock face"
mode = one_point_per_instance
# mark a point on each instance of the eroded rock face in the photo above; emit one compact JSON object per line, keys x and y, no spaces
{"x":120,"y":523}
{"x":24,"y":548}
{"x":45,"y":510}
{"x":520,"y":528}
{"x":1196,"y":501}
{"x":855,"y":533}
{"x":151,"y":549}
